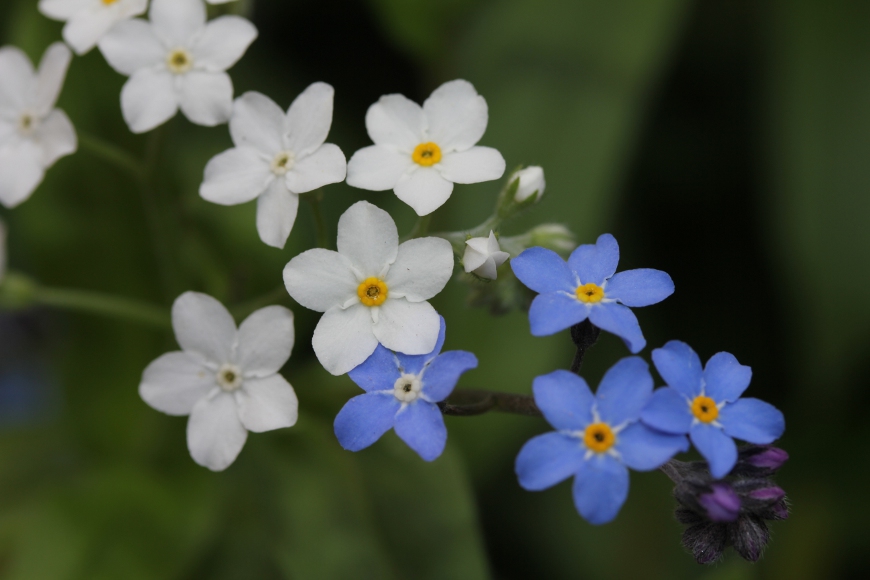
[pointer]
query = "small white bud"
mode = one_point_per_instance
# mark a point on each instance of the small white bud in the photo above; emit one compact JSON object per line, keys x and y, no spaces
{"x":483,"y":256}
{"x":531,"y":183}
{"x":553,"y":236}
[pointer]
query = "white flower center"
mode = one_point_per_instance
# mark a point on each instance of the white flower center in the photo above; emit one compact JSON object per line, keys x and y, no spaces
{"x":27,"y":123}
{"x":179,"y":61}
{"x":283,"y":162}
{"x":229,"y":377}
{"x":407,"y":388}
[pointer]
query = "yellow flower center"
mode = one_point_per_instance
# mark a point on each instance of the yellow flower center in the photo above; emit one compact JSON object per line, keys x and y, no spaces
{"x":705,"y":409}
{"x":599,"y":437}
{"x":590,"y":293}
{"x":179,"y":61}
{"x":372,"y":292}
{"x":26,"y":123}
{"x":427,"y":154}
{"x":109,"y":2}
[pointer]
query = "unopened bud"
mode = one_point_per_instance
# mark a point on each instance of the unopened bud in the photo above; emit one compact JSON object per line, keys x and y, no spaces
{"x":721,"y":503}
{"x":483,"y":256}
{"x":531,"y":183}
{"x":555,"y":237}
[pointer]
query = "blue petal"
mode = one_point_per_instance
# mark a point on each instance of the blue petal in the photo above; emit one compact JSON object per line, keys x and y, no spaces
{"x":600,"y":489}
{"x":364,"y":419}
{"x":624,"y":391}
{"x":595,"y":263}
{"x":752,"y":420}
{"x":555,"y":311}
{"x":414,"y":363}
{"x":680,"y":367}
{"x":421,"y":426}
{"x":668,"y":411}
{"x":621,"y":321}
{"x":443,"y":373}
{"x":379,"y":372}
{"x":640,"y":287}
{"x":564,"y":399}
{"x":725,"y":379}
{"x":718,"y":449}
{"x":548,"y":459}
{"x":644,"y":449}
{"x":543,"y":271}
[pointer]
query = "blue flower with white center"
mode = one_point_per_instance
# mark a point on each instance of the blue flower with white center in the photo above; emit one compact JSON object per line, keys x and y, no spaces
{"x":706,"y":404}
{"x":598,"y":437}
{"x":585,"y":287}
{"x":402,"y":392}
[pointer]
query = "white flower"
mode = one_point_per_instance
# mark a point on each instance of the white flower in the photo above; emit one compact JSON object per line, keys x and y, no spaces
{"x":276,"y":158}
{"x":531,"y":183}
{"x":87,"y":21}
{"x":483,"y":256}
{"x":371,"y":290}
{"x":420,"y":152}
{"x":177,"y":60}
{"x":226,"y":379}
{"x":33,"y":134}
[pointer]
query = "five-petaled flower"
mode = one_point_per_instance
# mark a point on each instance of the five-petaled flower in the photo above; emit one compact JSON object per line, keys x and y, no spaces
{"x":225,"y":378}
{"x":87,"y":21}
{"x":402,"y":392}
{"x":277,"y":157}
{"x":598,"y":437}
{"x":372,"y":290}
{"x":706,"y":404}
{"x":420,"y":152}
{"x":585,"y":287}
{"x":177,"y":60}
{"x":33,"y":134}
{"x":483,"y":256}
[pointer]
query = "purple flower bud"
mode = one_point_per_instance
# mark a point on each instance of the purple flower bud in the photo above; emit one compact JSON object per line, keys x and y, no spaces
{"x":722,"y":504}
{"x":780,"y":510}
{"x":773,"y":493}
{"x":769,"y":458}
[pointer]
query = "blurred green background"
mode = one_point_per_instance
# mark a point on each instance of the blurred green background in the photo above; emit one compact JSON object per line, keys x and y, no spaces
{"x":724,"y":141}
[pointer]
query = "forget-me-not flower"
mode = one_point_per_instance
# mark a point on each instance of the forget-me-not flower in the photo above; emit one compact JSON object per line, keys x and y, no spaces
{"x":706,"y":404}
{"x":586,"y":287}
{"x":402,"y":392}
{"x":598,"y":437}
{"x":87,"y":21}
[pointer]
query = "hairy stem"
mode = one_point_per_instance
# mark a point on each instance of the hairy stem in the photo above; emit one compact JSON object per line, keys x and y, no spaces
{"x":584,"y":336}
{"x":470,"y":402}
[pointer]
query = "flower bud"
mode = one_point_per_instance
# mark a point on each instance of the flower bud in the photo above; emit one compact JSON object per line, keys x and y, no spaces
{"x":722,"y":503}
{"x":483,"y":256}
{"x":555,"y":237}
{"x":531,"y":183}
{"x":766,"y":457}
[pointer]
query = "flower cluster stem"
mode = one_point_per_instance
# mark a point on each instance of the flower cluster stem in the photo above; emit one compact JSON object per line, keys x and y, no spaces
{"x":103,"y":305}
{"x":471,"y":402}
{"x":315,"y":199}
{"x":584,"y":336}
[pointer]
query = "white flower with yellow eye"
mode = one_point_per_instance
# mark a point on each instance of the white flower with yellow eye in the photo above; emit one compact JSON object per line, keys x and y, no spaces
{"x":87,"y":21}
{"x":483,"y":256}
{"x":420,"y":152}
{"x":277,"y":157}
{"x":372,"y":290}
{"x":177,"y":60}
{"x":225,"y":378}
{"x":33,"y":134}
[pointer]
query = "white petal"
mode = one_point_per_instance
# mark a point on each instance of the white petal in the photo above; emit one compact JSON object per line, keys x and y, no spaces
{"x":85,"y":29}
{"x":276,"y":214}
{"x":320,"y":279}
{"x":223,"y":43}
{"x":422,"y":268}
{"x":368,"y":236}
{"x":456,"y":115}
{"x":424,"y":190}
{"x":19,"y":79}
{"x":377,"y":168}
{"x":175,"y":382}
{"x":63,"y":9}
{"x":473,"y":259}
{"x":56,"y":136}
{"x":472,"y":166}
{"x":407,"y":327}
{"x":20,"y":172}
{"x":343,"y":339}
{"x":488,"y":269}
{"x":324,"y":166}
{"x":265,"y":341}
{"x":203,"y":327}
{"x":268,"y":403}
{"x":236,"y":176}
{"x":52,"y":72}
{"x":177,"y":22}
{"x":257,"y":121}
{"x":148,"y":100}
{"x":309,"y":119}
{"x":207,"y":97}
{"x":132,"y":45}
{"x":215,"y":434}
{"x":397,"y":122}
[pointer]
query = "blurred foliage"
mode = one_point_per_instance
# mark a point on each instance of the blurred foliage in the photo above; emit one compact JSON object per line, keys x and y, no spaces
{"x":723,"y":141}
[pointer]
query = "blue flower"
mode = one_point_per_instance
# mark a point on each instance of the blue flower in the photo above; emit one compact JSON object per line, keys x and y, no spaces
{"x":585,"y":287}
{"x":402,"y":392}
{"x":706,"y":404}
{"x":598,"y":437}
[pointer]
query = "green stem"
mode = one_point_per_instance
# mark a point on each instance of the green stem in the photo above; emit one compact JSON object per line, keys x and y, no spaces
{"x":243,"y":310}
{"x":103,"y":305}
{"x":420,"y":229}
{"x":110,"y":153}
{"x":471,"y":402}
{"x":314,"y":199}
